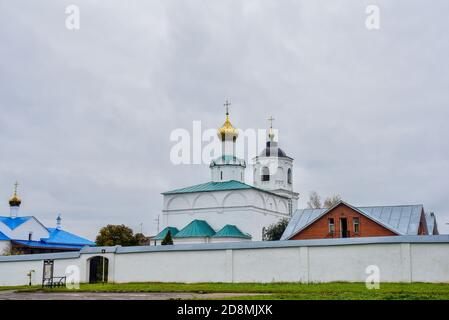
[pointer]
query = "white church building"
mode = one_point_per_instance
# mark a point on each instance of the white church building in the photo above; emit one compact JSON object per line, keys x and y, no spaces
{"x":226,"y":202}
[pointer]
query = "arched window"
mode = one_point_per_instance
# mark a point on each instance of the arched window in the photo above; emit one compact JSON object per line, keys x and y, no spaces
{"x":221,"y":175}
{"x":265,"y":174}
{"x":289,"y":176}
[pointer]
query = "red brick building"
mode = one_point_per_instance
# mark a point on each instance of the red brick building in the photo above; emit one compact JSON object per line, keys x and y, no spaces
{"x":346,"y":221}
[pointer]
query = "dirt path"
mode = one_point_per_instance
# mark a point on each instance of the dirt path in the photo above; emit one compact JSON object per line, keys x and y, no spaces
{"x":14,"y":295}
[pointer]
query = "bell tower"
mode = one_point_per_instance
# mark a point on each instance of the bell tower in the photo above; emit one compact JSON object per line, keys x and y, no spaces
{"x":273,"y":170}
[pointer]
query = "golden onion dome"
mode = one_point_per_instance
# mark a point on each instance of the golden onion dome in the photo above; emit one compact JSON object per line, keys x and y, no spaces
{"x":227,"y":131}
{"x":15,"y":200}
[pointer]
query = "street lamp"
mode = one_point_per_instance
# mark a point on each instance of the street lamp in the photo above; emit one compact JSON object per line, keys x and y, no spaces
{"x":30,"y":274}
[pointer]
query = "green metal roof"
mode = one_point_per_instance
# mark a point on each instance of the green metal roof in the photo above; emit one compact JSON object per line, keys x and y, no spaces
{"x":196,"y":228}
{"x":161,"y":235}
{"x":212,"y":186}
{"x":219,"y":186}
{"x":231,"y":231}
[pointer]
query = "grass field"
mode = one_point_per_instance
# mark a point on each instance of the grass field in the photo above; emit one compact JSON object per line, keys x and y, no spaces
{"x":287,"y":291}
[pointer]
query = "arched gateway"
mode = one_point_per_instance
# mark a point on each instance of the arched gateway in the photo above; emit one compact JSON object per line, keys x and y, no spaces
{"x":98,"y":269}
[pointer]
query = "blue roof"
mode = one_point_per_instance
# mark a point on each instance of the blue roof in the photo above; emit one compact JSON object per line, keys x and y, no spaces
{"x":41,"y":244}
{"x":3,"y":236}
{"x":58,"y":236}
{"x":402,"y":219}
{"x":231,"y":231}
{"x":196,"y":228}
{"x":218,"y":186}
{"x":13,"y":223}
{"x":161,"y":235}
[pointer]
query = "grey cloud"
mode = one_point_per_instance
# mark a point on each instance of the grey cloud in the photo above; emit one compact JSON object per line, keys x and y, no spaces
{"x":85,"y":116}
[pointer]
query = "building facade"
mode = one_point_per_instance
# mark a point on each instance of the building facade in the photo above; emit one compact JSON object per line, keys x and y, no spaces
{"x":346,"y":221}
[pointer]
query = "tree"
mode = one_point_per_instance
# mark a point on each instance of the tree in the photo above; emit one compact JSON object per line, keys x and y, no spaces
{"x":12,"y":252}
{"x":141,"y":240}
{"x":274,"y":231}
{"x":332,"y":201}
{"x":167,"y":239}
{"x":315,"y":201}
{"x":113,"y":235}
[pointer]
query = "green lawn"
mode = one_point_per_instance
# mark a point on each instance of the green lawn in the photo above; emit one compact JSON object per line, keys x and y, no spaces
{"x":351,"y":291}
{"x":17,"y":288}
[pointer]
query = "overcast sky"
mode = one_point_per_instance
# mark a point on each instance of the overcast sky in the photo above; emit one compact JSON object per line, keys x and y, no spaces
{"x":86,"y":115}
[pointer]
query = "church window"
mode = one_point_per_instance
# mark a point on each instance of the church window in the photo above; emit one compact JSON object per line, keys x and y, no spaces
{"x":30,"y":236}
{"x":265,"y":174}
{"x":289,"y":176}
{"x":290,"y":206}
{"x":221,"y":175}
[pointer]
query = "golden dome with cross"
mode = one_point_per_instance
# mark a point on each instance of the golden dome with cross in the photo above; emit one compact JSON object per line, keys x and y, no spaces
{"x":227,"y":130}
{"x":15,"y":200}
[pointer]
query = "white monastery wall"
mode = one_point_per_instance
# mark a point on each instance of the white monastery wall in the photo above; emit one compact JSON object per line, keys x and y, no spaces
{"x":399,"y":259}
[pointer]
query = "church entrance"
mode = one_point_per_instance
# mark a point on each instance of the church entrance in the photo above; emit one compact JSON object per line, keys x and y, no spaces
{"x":98,"y":269}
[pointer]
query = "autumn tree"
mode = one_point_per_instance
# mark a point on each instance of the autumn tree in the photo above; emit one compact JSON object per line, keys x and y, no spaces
{"x":113,"y":235}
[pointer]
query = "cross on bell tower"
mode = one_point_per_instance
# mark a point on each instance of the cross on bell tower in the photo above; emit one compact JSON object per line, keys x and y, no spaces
{"x":270,"y":132}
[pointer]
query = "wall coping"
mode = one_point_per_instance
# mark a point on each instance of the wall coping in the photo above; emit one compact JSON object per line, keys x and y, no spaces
{"x":435,"y":239}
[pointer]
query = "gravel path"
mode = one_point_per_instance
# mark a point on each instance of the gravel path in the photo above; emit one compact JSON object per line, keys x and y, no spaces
{"x":14,"y":295}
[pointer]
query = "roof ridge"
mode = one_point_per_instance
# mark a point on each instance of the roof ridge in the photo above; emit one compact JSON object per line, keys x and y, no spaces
{"x":395,"y":205}
{"x":202,"y":230}
{"x":243,"y":184}
{"x":233,"y":228}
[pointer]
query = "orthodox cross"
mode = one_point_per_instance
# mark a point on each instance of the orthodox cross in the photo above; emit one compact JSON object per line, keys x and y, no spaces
{"x":271,"y":119}
{"x":227,"y":104}
{"x":15,"y":187}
